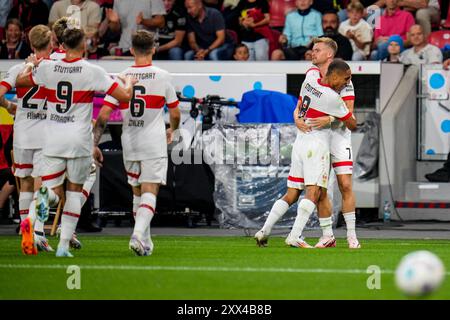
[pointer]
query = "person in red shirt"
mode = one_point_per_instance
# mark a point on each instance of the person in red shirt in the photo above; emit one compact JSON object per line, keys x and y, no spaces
{"x":393,"y":21}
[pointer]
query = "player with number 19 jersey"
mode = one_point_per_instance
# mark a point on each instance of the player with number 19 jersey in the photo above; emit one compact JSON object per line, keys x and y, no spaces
{"x":144,"y":133}
{"x":311,"y":152}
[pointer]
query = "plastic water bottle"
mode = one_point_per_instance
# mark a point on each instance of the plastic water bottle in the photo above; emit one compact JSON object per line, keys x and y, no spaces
{"x":387,"y":212}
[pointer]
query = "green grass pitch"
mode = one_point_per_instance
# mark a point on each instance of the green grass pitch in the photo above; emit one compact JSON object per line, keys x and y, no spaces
{"x":210,"y":268}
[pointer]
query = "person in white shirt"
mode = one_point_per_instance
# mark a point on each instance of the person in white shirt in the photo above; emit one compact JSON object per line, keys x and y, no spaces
{"x":127,"y":17}
{"x":67,"y":149}
{"x":144,"y":135}
{"x":358,"y":31}
{"x":422,"y":52}
{"x":88,"y":11}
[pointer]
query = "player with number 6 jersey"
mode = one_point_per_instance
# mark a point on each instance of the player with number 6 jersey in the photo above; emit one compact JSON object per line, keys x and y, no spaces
{"x":144,"y":135}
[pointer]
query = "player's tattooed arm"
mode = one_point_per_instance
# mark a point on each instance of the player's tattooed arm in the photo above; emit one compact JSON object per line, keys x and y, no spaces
{"x":99,"y":128}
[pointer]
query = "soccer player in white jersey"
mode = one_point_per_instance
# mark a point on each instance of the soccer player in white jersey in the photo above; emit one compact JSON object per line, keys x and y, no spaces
{"x":144,"y":135}
{"x":67,"y":151}
{"x":60,"y":53}
{"x":324,"y":51}
{"x":27,"y":143}
{"x":311,"y":154}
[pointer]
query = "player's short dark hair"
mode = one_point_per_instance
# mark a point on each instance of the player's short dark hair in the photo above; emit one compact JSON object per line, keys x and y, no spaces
{"x":337,"y":65}
{"x":72,"y":38}
{"x":142,"y":42}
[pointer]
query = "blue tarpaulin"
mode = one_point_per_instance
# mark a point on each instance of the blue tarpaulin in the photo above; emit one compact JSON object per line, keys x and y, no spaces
{"x":264,"y":106}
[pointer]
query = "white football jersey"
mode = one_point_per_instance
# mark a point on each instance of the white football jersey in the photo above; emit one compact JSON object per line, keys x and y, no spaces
{"x":318,"y":100}
{"x":143,"y":130}
{"x":70,"y":92}
{"x":29,"y":121}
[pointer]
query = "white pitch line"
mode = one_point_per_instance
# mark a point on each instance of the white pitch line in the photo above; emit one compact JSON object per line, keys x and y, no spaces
{"x":189,"y":268}
{"x":186,"y":268}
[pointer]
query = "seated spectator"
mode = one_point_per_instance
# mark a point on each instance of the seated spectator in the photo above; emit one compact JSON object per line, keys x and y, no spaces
{"x":170,"y":38}
{"x":302,"y":25}
{"x":206,"y":33}
{"x":89,"y":12}
{"x":395,"y":48}
{"x":254,"y":21}
{"x":14,"y":46}
{"x":358,"y":31}
{"x":422,"y":52}
{"x":30,"y":13}
{"x":372,"y":9}
{"x":241,"y":52}
{"x":426,"y":12}
{"x":129,"y":16}
{"x":5,"y":7}
{"x":93,"y":48}
{"x":393,"y":21}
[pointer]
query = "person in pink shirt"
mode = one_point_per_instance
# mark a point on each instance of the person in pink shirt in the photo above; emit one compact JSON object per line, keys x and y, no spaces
{"x":393,"y":21}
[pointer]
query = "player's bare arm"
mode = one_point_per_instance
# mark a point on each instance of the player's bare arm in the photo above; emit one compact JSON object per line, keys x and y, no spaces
{"x":174,"y":115}
{"x":300,"y":122}
{"x":124,"y":94}
{"x":24,"y":78}
{"x":99,"y":128}
{"x":10,"y":107}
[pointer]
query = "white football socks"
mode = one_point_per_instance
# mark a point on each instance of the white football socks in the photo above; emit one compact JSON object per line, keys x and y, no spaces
{"x":305,"y":209}
{"x":144,"y":215}
{"x":25,"y":199}
{"x":350,"y":220}
{"x":69,"y":219}
{"x":279,"y":208}
{"x":326,"y":224}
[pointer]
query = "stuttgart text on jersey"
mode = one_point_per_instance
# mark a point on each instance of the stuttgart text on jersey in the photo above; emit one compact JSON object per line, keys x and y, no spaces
{"x":313,"y":90}
{"x":74,"y":69}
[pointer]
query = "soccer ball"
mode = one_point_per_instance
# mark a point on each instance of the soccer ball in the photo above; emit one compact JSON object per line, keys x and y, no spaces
{"x":419,"y":273}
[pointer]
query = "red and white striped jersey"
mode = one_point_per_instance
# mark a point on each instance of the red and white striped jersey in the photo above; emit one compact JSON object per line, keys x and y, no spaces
{"x":143,"y":130}
{"x":318,"y":100}
{"x":58,"y":54}
{"x":348,"y":93}
{"x":70,"y":92}
{"x":30,"y":113}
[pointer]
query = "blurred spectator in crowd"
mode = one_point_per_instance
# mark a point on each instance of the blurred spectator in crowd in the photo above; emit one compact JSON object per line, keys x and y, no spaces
{"x":393,"y":21}
{"x":90,"y":14}
{"x":426,"y":12}
{"x":372,"y":9}
{"x":329,"y":5}
{"x":7,"y":181}
{"x":206,"y":33}
{"x":108,"y":38}
{"x":302,"y":25}
{"x":441,"y":174}
{"x":230,"y":14}
{"x":93,"y":48}
{"x":358,"y":31}
{"x":30,"y":13}
{"x":421,"y":52}
{"x":254,"y":28}
{"x":395,"y":48}
{"x":170,"y":38}
{"x":128,"y":16}
{"x":216,"y":4}
{"x":241,"y":53}
{"x":14,"y":46}
{"x":5,"y":7}
{"x":330,"y":25}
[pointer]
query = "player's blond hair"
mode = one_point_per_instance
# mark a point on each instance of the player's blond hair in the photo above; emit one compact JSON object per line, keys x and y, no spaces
{"x":40,"y":36}
{"x":330,"y":43}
